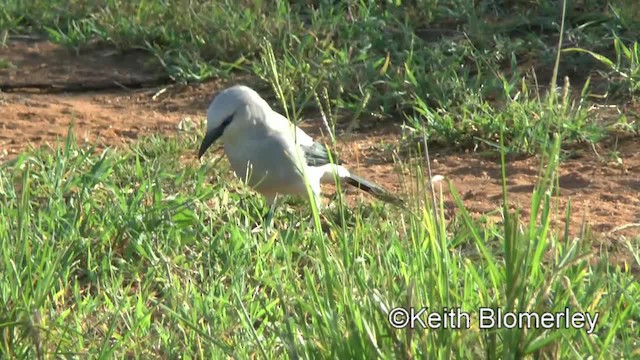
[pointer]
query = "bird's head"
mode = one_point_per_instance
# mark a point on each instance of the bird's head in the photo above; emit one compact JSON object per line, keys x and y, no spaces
{"x":231,"y":108}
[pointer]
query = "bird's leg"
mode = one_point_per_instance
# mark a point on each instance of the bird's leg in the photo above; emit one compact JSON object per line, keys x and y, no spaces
{"x":271,"y":203}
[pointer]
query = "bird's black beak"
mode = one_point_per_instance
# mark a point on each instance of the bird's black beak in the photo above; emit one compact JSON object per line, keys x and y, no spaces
{"x":209,"y":139}
{"x":213,"y":135}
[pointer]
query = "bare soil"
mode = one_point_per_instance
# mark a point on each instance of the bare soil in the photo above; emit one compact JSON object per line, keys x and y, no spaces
{"x":115,"y":97}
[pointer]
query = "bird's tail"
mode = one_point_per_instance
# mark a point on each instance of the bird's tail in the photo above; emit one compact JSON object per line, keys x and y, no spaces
{"x":373,"y":189}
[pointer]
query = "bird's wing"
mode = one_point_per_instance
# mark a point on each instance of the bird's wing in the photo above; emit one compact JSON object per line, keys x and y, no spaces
{"x":315,"y":153}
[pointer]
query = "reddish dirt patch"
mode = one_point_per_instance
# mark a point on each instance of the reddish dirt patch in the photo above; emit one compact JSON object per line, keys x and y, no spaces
{"x":103,"y":118}
{"x":607,"y":193}
{"x":604,"y":192}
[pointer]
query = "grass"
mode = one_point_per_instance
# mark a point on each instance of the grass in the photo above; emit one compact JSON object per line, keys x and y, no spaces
{"x":127,"y":253}
{"x":130,"y":253}
{"x":452,"y":69}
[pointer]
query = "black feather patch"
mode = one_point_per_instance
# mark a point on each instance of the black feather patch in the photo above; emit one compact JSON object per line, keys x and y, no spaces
{"x":318,"y":155}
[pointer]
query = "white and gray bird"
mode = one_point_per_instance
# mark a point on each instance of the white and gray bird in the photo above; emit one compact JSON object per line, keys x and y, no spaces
{"x":271,"y":154}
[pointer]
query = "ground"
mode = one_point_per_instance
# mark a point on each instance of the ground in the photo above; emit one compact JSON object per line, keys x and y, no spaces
{"x":114,"y":97}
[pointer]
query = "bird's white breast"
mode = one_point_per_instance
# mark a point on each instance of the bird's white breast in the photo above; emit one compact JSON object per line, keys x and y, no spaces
{"x":266,"y":160}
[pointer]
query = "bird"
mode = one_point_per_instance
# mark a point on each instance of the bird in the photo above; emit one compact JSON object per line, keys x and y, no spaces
{"x":272,"y":155}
